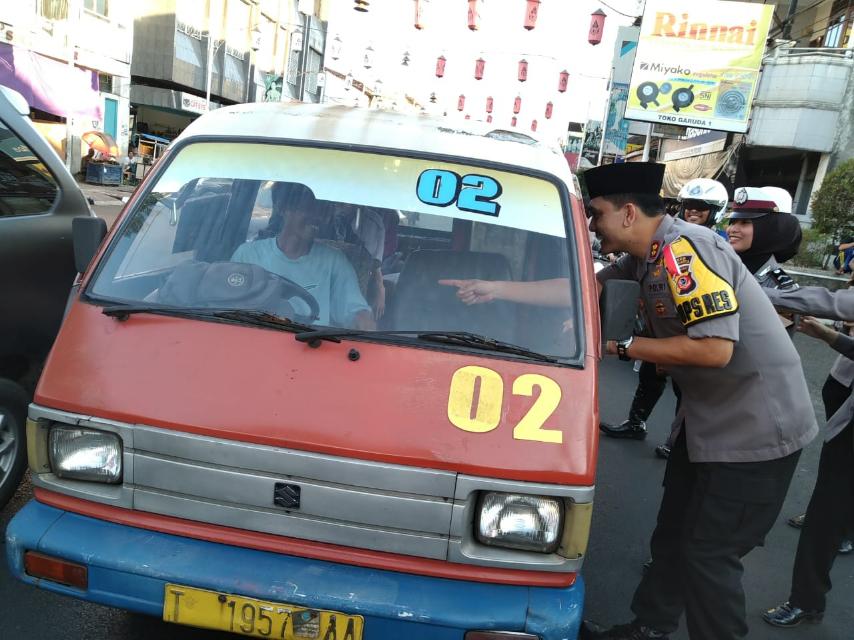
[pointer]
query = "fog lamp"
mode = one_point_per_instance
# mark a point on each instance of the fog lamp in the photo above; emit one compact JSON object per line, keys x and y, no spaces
{"x":520,"y":521}
{"x":78,"y":453}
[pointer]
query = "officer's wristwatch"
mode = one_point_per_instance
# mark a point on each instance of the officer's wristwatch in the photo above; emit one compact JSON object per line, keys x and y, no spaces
{"x":623,"y":346}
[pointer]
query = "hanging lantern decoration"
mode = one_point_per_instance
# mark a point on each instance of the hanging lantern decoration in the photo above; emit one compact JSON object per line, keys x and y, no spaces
{"x":474,"y":16}
{"x":549,"y":107}
{"x":406,"y":59}
{"x":489,"y":118}
{"x":368,"y":60}
{"x":335,"y":47}
{"x":479,"y":64}
{"x":533,"y":125}
{"x":597,"y":26}
{"x":361,"y":5}
{"x":517,"y":105}
{"x":523,"y":70}
{"x":468,"y":117}
{"x":562,"y":82}
{"x":531,"y":14}
{"x":461,"y":102}
{"x":489,"y":104}
{"x":513,"y":121}
{"x":419,"y":16}
{"x":440,"y":66}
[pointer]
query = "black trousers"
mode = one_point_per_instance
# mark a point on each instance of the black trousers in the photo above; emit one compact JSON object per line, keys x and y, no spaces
{"x":712,"y":514}
{"x":829,"y":513}
{"x":650,"y":387}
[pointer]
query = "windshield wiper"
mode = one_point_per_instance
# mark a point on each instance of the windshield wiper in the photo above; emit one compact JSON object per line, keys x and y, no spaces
{"x":245,"y":316}
{"x":457,"y":338}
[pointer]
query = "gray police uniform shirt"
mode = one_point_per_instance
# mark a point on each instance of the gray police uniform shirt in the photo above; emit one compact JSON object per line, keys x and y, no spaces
{"x":835,"y":305}
{"x":755,"y":408}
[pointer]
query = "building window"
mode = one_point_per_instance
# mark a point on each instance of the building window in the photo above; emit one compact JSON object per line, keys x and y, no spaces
{"x":105,"y":83}
{"x":97,"y":6}
{"x":833,"y":35}
{"x":54,"y":9}
{"x":312,"y":69}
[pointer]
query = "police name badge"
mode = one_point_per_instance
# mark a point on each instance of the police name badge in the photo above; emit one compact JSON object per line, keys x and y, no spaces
{"x":699,"y":292}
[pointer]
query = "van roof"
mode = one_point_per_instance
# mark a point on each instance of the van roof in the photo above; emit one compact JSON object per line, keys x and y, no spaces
{"x":377,"y":128}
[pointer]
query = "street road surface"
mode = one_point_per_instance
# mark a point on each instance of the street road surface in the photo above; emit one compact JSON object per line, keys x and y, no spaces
{"x":627,"y":497}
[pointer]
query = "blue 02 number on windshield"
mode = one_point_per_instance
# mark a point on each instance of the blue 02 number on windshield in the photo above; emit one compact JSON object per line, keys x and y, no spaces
{"x":471,"y":192}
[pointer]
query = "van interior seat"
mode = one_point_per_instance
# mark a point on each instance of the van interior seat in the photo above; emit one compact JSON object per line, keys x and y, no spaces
{"x":200,"y":226}
{"x":420,"y":303}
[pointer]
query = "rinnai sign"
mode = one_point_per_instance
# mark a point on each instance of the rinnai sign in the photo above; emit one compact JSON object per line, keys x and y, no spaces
{"x":697,"y":64}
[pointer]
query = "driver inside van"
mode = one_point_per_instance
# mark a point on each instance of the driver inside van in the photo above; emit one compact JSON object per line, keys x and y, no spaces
{"x":292,"y":253}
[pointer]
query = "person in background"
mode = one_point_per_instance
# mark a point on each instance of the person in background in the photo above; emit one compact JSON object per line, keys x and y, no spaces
{"x":844,"y":255}
{"x":701,"y":201}
{"x":85,"y":160}
{"x":831,"y":507}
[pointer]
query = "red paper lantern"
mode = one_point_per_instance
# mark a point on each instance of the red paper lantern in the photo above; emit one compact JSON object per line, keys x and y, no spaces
{"x":489,"y":118}
{"x":533,"y":125}
{"x":468,"y":117}
{"x":440,"y":66}
{"x":489,"y":104}
{"x":461,"y":102}
{"x":474,"y":16}
{"x":513,"y":121}
{"x":478,"y":68}
{"x":523,"y":70}
{"x":597,"y":25}
{"x":549,"y":107}
{"x":419,"y":17}
{"x":531,"y":14}
{"x":517,"y":104}
{"x":562,"y":82}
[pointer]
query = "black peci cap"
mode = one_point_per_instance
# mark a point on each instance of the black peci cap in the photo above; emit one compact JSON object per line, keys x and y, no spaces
{"x":624,"y":177}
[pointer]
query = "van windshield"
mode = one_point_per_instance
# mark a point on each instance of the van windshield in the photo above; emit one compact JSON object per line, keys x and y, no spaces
{"x":347,"y":239}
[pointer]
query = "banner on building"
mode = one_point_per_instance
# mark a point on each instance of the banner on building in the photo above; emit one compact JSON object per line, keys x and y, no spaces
{"x":592,"y":141}
{"x":697,"y":64}
{"x":617,"y":127}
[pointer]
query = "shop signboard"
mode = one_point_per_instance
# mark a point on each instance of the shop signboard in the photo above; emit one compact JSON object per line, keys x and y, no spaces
{"x":697,"y":64}
{"x":193,"y":104}
{"x":592,"y":141}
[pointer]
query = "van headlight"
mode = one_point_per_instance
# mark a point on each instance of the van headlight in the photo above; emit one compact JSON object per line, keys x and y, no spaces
{"x":520,"y":521}
{"x":78,"y":453}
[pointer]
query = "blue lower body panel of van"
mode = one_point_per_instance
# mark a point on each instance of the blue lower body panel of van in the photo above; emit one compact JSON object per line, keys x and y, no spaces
{"x":129,"y":568}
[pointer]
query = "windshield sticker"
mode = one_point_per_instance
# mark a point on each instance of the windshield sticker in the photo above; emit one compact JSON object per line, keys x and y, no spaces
{"x":447,"y":189}
{"x":476,"y":398}
{"x":472,"y":192}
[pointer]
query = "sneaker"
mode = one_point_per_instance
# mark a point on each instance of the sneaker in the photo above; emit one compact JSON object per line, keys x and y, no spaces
{"x":845,"y":548}
{"x":663,"y":451}
{"x":788,"y":615}
{"x":626,"y":429}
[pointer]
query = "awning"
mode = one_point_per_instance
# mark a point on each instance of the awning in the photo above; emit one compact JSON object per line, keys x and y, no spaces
{"x":678,"y":172}
{"x":51,"y":86}
{"x":148,"y":136}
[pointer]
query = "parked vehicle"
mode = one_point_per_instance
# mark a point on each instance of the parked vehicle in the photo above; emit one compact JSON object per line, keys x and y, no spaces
{"x":38,"y":200}
{"x":225,"y":436}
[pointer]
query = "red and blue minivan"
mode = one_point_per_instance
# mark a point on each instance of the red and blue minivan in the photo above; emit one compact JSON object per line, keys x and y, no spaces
{"x":332,"y":374}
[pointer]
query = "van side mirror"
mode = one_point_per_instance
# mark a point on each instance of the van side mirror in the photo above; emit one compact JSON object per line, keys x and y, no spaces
{"x":87,"y":234}
{"x":618,"y":308}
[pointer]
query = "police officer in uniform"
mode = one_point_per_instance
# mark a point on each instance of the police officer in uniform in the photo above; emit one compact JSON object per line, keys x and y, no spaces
{"x":745,"y":413}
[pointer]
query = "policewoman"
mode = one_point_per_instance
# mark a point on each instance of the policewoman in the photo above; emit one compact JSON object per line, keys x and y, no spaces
{"x":764,"y":233}
{"x":745,"y":413}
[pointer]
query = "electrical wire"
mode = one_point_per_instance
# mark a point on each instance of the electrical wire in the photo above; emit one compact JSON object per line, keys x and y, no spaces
{"x":617,"y":10}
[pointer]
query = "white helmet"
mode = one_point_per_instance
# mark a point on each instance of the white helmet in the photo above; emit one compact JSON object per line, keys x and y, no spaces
{"x":781,"y":197}
{"x":712,"y":192}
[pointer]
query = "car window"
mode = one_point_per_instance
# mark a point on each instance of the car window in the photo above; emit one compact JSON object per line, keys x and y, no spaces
{"x":26,"y":185}
{"x":396,"y":239}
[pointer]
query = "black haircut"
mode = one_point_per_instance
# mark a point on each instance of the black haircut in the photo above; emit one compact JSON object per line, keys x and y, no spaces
{"x":650,"y":204}
{"x":291,"y":195}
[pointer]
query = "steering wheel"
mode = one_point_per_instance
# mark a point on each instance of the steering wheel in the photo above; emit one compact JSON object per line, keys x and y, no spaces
{"x":296,"y":290}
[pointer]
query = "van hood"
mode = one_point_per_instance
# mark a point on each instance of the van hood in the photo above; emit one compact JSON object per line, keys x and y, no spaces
{"x":393,"y":404}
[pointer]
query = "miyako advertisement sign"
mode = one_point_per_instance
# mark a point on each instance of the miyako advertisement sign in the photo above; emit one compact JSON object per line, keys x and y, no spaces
{"x":697,"y":63}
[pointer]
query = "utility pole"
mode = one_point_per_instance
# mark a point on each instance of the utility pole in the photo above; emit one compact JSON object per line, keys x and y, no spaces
{"x":303,"y":56}
{"x":71,"y":44}
{"x":209,"y":63}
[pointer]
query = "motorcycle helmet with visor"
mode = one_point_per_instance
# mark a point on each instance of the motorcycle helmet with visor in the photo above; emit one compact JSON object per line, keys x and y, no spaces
{"x":700,"y":195}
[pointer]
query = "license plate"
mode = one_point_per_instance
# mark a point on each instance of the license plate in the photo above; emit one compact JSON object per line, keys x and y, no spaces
{"x":256,"y":618}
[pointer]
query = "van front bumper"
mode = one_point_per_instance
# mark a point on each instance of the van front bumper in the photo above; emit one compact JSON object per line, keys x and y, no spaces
{"x":128,"y":568}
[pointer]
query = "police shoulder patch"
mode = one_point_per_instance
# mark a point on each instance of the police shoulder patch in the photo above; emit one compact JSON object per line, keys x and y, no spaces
{"x":698,"y":292}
